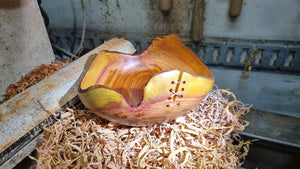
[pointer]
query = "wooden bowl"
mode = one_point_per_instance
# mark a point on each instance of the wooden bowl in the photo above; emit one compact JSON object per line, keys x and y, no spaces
{"x":163,"y":82}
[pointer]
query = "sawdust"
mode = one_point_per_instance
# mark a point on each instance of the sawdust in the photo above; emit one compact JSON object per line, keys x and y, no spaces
{"x":36,"y":75}
{"x":204,"y":138}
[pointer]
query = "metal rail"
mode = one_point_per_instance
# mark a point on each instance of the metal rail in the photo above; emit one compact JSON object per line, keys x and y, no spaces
{"x":228,"y":52}
{"x":23,"y":116}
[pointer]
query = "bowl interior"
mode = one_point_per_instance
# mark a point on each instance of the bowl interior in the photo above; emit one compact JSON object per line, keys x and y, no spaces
{"x":129,"y":74}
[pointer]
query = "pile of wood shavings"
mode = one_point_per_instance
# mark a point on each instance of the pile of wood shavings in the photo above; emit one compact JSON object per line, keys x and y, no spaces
{"x":36,"y":75}
{"x":201,"y":139}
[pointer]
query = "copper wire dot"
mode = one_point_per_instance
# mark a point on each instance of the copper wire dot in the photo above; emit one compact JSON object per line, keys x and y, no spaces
{"x":181,"y":96}
{"x":172,"y":82}
{"x":168,"y":105}
{"x":182,"y":89}
{"x":171,"y":90}
{"x":178,"y":104}
{"x":183,"y":82}
{"x":169,"y":98}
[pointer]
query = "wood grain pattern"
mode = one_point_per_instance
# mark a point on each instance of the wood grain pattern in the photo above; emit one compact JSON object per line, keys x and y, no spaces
{"x":198,"y":19}
{"x":235,"y":8}
{"x":145,"y":82}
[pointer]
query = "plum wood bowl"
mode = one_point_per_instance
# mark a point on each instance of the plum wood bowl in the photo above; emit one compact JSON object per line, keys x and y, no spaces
{"x":160,"y":84}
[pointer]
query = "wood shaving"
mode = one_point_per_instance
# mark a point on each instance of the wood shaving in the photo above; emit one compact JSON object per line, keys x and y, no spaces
{"x":202,"y":139}
{"x":296,"y":89}
{"x":36,"y":75}
{"x":248,"y":68}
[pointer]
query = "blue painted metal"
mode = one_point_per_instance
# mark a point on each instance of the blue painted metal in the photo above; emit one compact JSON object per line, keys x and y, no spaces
{"x":206,"y":50}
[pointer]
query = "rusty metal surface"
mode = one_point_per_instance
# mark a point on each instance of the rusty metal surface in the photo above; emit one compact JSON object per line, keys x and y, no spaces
{"x":25,"y":111}
{"x":16,"y":158}
{"x":20,"y":148}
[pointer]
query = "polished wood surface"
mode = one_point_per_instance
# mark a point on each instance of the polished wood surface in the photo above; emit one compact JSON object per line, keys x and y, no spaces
{"x":154,"y":77}
{"x":128,"y":74}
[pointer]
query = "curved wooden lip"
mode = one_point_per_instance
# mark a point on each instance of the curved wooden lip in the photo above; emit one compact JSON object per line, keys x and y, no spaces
{"x":211,"y":76}
{"x":131,"y":55}
{"x":141,"y":101}
{"x":141,"y":54}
